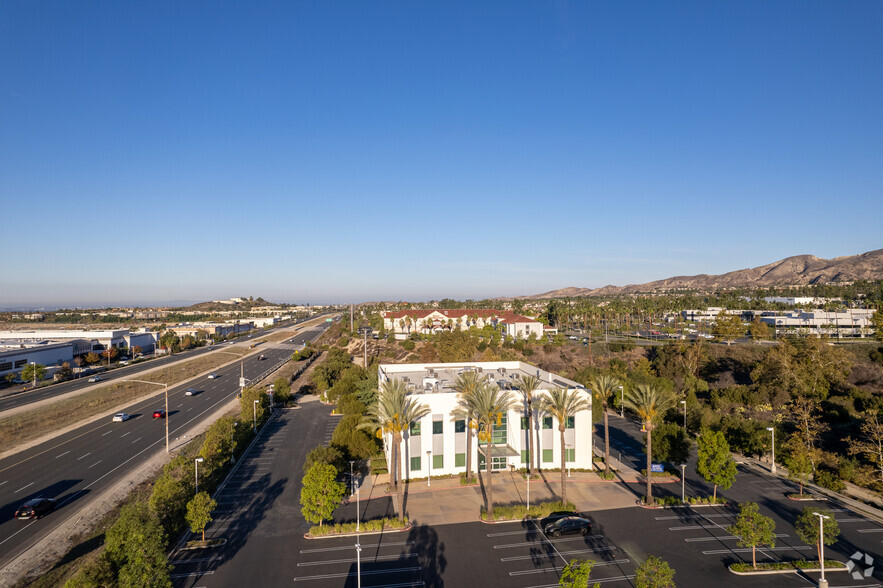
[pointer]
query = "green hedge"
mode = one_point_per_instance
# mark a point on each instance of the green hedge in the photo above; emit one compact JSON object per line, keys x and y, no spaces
{"x":364,"y":527}
{"x":517,"y":512}
{"x":800,"y":564}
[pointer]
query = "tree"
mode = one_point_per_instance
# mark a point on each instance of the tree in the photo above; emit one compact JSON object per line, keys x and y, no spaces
{"x":136,"y":350}
{"x":110,"y":354}
{"x":753,"y":529}
{"x":715,"y":462}
{"x":64,"y":373}
{"x":808,"y":426}
{"x":759,"y":329}
{"x":877,"y":321}
{"x":491,"y":405}
{"x":92,"y":358}
{"x":466,"y":384}
{"x":797,"y":460}
{"x":33,"y":371}
{"x":393,"y":414}
{"x":564,"y":405}
{"x":217,"y":446}
{"x":528,"y":385}
{"x":199,"y":512}
{"x":136,"y":548}
{"x":576,"y":573}
{"x":654,"y":573}
{"x":728,"y":326}
{"x":604,"y":386}
{"x":321,"y":493}
{"x":870,"y":443}
{"x":808,"y":368}
{"x":671,"y":443}
{"x":807,"y":527}
{"x":649,"y":403}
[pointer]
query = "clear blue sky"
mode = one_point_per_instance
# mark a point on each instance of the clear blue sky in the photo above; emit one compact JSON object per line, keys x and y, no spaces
{"x":351,"y":151}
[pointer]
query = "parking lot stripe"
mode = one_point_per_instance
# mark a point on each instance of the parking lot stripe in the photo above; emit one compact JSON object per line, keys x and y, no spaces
{"x":199,"y":560}
{"x":208,"y":573}
{"x":724,"y":538}
{"x":526,"y":543}
{"x":351,"y":574}
{"x":522,"y":532}
{"x":572,"y":552}
{"x":351,"y":560}
{"x":364,"y":545}
{"x":697,"y":527}
{"x":692,"y":516}
{"x":748,"y":550}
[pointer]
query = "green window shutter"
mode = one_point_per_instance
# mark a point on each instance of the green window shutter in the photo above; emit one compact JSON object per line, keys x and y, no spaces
{"x":437,"y":427}
{"x":415,"y":429}
{"x":524,"y":455}
{"x":460,"y":426}
{"x":415,"y":464}
{"x":438,"y":462}
{"x":547,"y":422}
{"x":459,"y":460}
{"x":547,"y":456}
{"x":570,"y":455}
{"x":569,"y":423}
{"x":524,"y":423}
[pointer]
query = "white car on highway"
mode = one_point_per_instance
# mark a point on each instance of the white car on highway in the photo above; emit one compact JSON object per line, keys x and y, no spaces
{"x":212,"y":376}
{"x":120,"y":417}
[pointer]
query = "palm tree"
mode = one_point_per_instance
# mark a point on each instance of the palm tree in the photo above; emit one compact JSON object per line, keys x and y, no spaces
{"x":528,"y":386}
{"x":604,"y":386}
{"x":649,"y":403}
{"x":491,"y":405}
{"x":562,"y":404}
{"x":393,"y":413}
{"x":466,"y":385}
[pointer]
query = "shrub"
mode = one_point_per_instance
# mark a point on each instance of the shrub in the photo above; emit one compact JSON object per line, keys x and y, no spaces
{"x":520,"y":511}
{"x":364,"y":527}
{"x":828,"y":479}
{"x":408,"y":345}
{"x":343,"y":341}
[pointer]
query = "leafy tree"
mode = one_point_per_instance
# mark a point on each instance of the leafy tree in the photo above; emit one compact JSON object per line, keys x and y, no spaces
{"x":753,"y":529}
{"x":808,"y":368}
{"x":671,"y":443}
{"x":136,"y":548}
{"x":870,"y":442}
{"x":877,"y":321}
{"x":92,"y":358}
{"x":807,"y":527}
{"x":728,"y":326}
{"x":354,"y":441}
{"x":393,"y":414}
{"x":650,"y":403}
{"x":804,"y":413}
{"x":248,"y":412}
{"x":325,"y":454}
{"x":563,"y":404}
{"x":715,"y":462}
{"x":576,"y":573}
{"x":64,"y":373}
{"x":759,"y":329}
{"x":281,"y":389}
{"x":654,"y":573}
{"x":798,"y":460}
{"x":33,"y":371}
{"x":603,"y":386}
{"x":170,"y":494}
{"x":490,"y":405}
{"x":321,"y":493}
{"x":217,"y":446}
{"x":110,"y":354}
{"x":199,"y":512}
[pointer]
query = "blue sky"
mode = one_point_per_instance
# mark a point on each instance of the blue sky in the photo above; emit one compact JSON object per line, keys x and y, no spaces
{"x":352,"y":151}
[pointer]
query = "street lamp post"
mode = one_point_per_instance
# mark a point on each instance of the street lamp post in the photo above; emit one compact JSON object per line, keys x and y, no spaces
{"x":255,"y":415}
{"x":166,"y":386}
{"x":684,"y":402}
{"x":357,"y":510}
{"x":352,"y":484}
{"x":683,"y":470}
{"x":196,"y":472}
{"x":621,"y":402}
{"x":358,"y":566}
{"x":34,"y":364}
{"x":823,"y":583}
{"x":528,"y":490}
{"x":428,"y":468}
{"x":773,"y":431}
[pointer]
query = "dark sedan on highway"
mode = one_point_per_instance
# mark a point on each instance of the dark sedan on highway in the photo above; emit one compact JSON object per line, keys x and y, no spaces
{"x":35,"y":508}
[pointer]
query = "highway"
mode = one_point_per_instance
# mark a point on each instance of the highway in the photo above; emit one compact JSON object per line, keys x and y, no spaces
{"x":81,"y":464}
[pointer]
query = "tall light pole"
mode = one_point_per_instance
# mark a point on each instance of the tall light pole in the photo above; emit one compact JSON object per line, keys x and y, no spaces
{"x":683,"y":469}
{"x":357,"y":510}
{"x":196,"y":472}
{"x":358,"y":566}
{"x":352,"y":485}
{"x":684,"y":402}
{"x":773,"y":431}
{"x":823,"y":583}
{"x":428,"y":468}
{"x":621,"y":402}
{"x":34,"y":365}
{"x":166,"y":386}
{"x":255,"y":411}
{"x":528,"y":491}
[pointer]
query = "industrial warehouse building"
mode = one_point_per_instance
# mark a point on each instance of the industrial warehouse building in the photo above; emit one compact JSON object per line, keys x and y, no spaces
{"x":436,"y":444}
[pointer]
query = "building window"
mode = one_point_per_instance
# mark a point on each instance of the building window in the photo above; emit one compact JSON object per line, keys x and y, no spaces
{"x":5,"y":366}
{"x":20,"y":362}
{"x":438,"y":462}
{"x":569,"y":422}
{"x":415,"y":464}
{"x":524,"y":424}
{"x":499,"y":463}
{"x":460,"y":426}
{"x":415,"y":430}
{"x":547,"y":422}
{"x":570,"y":455}
{"x":525,"y":454}
{"x":459,"y":460}
{"x":547,"y":456}
{"x":499,"y":436}
{"x":437,"y":427}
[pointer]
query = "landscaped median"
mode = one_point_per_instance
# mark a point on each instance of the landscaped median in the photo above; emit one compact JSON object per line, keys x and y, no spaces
{"x":517,"y":512}
{"x":786,"y":567}
{"x":364,"y":528}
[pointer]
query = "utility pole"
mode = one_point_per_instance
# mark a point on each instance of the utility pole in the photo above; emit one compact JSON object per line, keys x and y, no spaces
{"x":351,"y":318}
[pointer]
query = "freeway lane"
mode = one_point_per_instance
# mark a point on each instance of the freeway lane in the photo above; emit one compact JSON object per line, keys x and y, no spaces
{"x":86,"y":461}
{"x":23,"y":398}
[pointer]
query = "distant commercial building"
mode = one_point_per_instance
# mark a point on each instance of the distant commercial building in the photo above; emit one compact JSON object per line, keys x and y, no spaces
{"x":436,"y":444}
{"x":211,"y":329}
{"x":436,"y":321}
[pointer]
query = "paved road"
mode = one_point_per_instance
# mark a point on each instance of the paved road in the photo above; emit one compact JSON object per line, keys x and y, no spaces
{"x":85,"y":461}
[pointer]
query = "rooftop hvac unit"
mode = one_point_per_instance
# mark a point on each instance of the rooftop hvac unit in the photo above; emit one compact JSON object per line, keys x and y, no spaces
{"x":480,"y":370}
{"x":406,"y":379}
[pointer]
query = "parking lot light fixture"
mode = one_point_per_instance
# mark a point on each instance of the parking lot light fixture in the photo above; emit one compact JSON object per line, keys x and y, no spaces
{"x":166,"y":386}
{"x":823,"y":583}
{"x":358,"y":566}
{"x":684,"y":402}
{"x":255,"y":416}
{"x":352,"y":484}
{"x":196,"y":463}
{"x":621,"y":402}
{"x":357,"y":511}
{"x":773,"y":431}
{"x":683,"y":470}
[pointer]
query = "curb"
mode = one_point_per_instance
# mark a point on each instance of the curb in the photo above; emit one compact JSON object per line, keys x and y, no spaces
{"x":788,"y":571}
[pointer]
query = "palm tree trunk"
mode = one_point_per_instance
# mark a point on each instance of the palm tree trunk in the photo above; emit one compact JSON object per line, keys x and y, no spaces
{"x":563,"y":468}
{"x":468,"y":451}
{"x":754,"y":556}
{"x":396,"y":440}
{"x":606,"y":441}
{"x":714,"y":494}
{"x":649,"y":465}
{"x":488,"y":466}
{"x":530,"y":442}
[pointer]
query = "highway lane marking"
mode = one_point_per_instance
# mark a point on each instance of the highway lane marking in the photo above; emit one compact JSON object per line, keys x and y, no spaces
{"x":23,"y":487}
{"x":3,"y":482}
{"x":571,"y":552}
{"x":94,"y":464}
{"x":874,"y":530}
{"x":140,"y":438}
{"x":351,"y":560}
{"x":724,"y":538}
{"x":108,"y":433}
{"x":364,"y":573}
{"x":845,"y":520}
{"x":62,"y":455}
{"x":580,"y":538}
{"x":364,"y":545}
{"x":128,"y":433}
{"x":90,"y":453}
{"x":19,"y":531}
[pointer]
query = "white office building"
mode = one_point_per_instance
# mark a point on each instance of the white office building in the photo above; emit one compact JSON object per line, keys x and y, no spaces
{"x":436,"y":444}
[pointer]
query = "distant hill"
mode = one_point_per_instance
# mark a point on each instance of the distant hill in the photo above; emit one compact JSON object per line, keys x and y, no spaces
{"x":799,"y":270}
